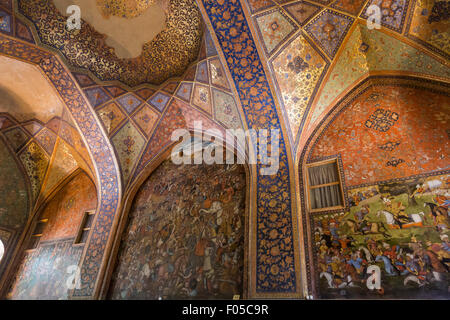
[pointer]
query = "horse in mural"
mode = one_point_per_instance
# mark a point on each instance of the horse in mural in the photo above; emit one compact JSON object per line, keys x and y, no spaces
{"x":414,"y":220}
{"x":440,"y":215}
{"x":367,"y":227}
{"x":436,"y":209}
{"x":331,"y":283}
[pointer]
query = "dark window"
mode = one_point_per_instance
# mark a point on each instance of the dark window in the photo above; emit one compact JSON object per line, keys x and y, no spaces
{"x":325,"y":188}
{"x":37,"y":234}
{"x":85,"y":227}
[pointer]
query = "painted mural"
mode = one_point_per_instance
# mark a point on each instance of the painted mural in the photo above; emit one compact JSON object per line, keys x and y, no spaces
{"x":402,"y":227}
{"x":185,"y":235}
{"x":389,"y":132}
{"x":43,"y":272}
{"x":65,"y":211}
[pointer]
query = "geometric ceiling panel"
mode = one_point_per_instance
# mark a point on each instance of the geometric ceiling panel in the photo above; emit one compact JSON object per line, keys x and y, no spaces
{"x":258,"y":5}
{"x":159,"y":101}
{"x":66,"y":131}
{"x":146,"y":119}
{"x":16,"y":137}
{"x":430,"y":25}
{"x":145,"y":93}
{"x":202,"y":72}
{"x":218,"y":76}
{"x":274,"y":27}
{"x":96,"y":96}
{"x":170,"y":87}
{"x":302,"y":11}
{"x":115,"y":91}
{"x":128,"y":143}
{"x":184,"y":91}
{"x":35,"y":162}
{"x":54,"y":124}
{"x":202,"y":98}
{"x":111,"y":116}
{"x":210,"y":47}
{"x":63,"y":164}
{"x":83,"y":80}
{"x":298,"y":69}
{"x":328,"y":29}
{"x":47,"y":140}
{"x":350,"y":65}
{"x":5,"y":22}
{"x":6,"y":122}
{"x":129,"y":102}
{"x":350,"y":6}
{"x":393,"y":13}
{"x":23,"y":32}
{"x":33,"y":127}
{"x":225,"y":110}
{"x":189,"y":75}
{"x":202,"y":53}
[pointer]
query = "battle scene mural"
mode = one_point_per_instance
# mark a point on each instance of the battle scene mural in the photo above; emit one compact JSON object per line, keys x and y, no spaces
{"x":401,"y":227}
{"x":390,"y":240}
{"x":43,"y":274}
{"x":185,"y":235}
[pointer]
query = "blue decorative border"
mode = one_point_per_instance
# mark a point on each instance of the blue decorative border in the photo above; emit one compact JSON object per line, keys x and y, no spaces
{"x":109,"y":189}
{"x":275,"y":258}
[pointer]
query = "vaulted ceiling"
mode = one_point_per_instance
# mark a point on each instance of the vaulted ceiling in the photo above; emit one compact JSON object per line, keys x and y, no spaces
{"x":159,"y":56}
{"x":251,"y":63}
{"x":41,"y":146}
{"x":315,"y":51}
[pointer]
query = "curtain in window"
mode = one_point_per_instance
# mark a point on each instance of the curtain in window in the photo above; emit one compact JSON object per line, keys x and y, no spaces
{"x":326,"y":196}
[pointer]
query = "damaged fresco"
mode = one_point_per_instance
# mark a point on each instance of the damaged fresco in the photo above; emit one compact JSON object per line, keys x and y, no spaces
{"x":43,"y":271}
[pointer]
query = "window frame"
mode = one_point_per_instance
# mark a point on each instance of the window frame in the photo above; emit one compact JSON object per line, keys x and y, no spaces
{"x":82,"y":228}
{"x":43,"y":221}
{"x":309,"y":187}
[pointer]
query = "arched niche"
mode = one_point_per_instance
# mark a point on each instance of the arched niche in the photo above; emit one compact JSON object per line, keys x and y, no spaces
{"x":53,"y":246}
{"x":15,"y":202}
{"x":389,"y":135}
{"x":200,"y":197}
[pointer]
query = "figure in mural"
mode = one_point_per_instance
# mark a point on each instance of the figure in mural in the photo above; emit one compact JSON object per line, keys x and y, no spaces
{"x":408,"y":242}
{"x":185,"y":235}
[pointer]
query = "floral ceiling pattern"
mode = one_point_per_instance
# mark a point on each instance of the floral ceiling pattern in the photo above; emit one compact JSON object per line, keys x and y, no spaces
{"x":167,"y":55}
{"x":318,"y":49}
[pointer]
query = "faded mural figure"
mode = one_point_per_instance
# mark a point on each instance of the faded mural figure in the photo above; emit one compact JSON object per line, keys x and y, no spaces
{"x":185,"y":235}
{"x":42,"y":272}
{"x":409,"y":242}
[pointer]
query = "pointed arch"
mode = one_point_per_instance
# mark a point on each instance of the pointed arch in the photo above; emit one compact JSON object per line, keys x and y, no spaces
{"x":310,"y":263}
{"x":130,"y":194}
{"x":100,"y":150}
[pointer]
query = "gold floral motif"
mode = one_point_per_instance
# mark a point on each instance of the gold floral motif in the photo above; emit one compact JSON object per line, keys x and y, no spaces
{"x":123,"y":8}
{"x":167,"y":55}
